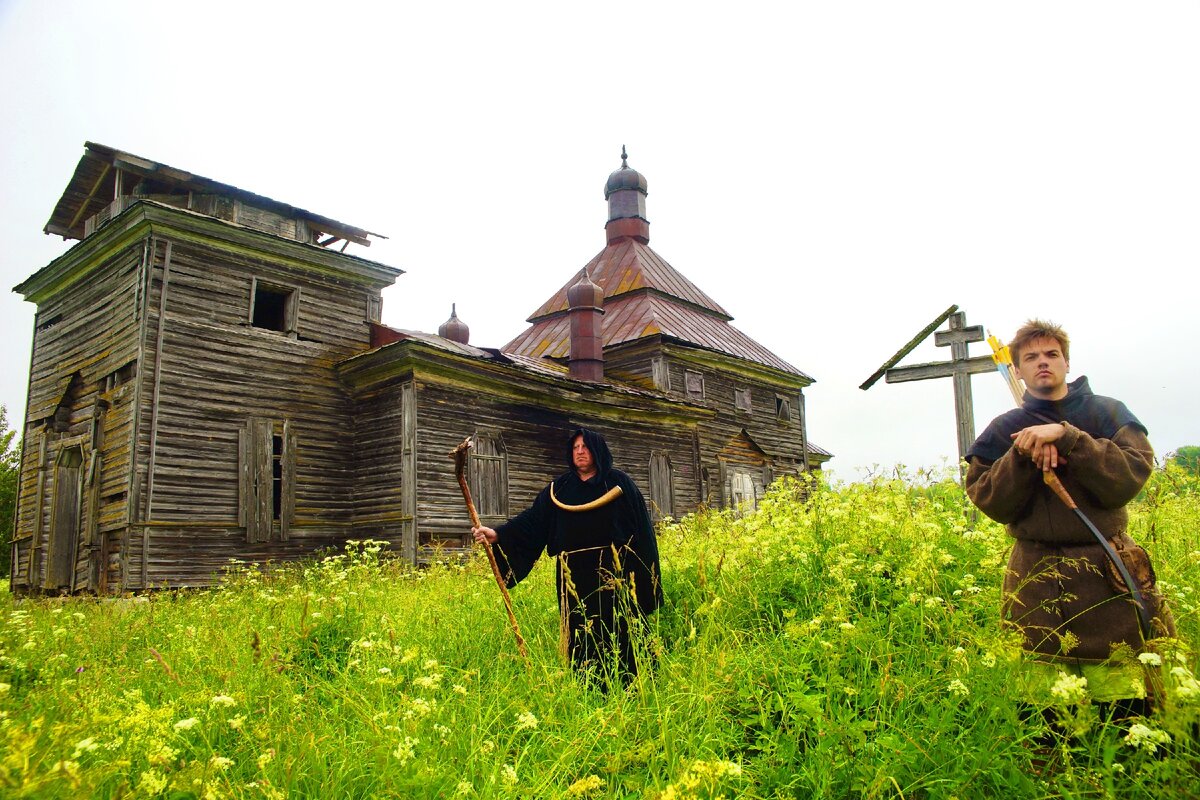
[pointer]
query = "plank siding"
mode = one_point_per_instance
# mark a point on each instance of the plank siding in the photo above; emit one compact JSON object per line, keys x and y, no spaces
{"x":81,"y":339}
{"x":536,"y":443}
{"x":214,"y":373}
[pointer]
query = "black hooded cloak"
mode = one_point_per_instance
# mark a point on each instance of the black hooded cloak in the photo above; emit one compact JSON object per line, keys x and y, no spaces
{"x":608,"y":566}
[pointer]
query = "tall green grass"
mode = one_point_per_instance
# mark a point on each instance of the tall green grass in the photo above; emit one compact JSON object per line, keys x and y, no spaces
{"x":846,"y":646}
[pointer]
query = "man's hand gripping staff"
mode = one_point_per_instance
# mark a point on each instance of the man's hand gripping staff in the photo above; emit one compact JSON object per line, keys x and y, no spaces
{"x":459,"y":454}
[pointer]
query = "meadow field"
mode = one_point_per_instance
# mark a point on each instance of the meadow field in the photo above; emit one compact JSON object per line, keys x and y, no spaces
{"x":846,"y":646}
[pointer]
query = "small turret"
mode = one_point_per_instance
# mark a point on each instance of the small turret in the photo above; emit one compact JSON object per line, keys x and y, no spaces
{"x":625,"y":192}
{"x":454,"y":328}
{"x":586,"y":303}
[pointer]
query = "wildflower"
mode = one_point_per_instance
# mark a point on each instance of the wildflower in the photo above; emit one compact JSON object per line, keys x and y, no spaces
{"x":959,"y":688}
{"x":223,"y":700}
{"x":988,"y":660}
{"x":1069,"y":688}
{"x":508,"y":774}
{"x":460,"y":689}
{"x":1187,"y":688}
{"x":1150,"y":659}
{"x":186,"y":724}
{"x":236,"y":722}
{"x":152,"y":783}
{"x":221,"y":762}
{"x":1146,"y":738}
{"x":463,"y":789}
{"x":430,"y":664}
{"x":526,"y":721}
{"x":585,"y":786}
{"x":405,"y":750}
{"x":160,"y":754}
{"x":847,"y":626}
{"x":385,"y":671}
{"x":84,"y":746}
{"x":5,"y":688}
{"x":266,"y":758}
{"x":428,"y":681}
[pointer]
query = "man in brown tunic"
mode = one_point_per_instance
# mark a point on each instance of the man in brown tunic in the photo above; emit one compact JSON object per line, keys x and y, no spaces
{"x":1060,"y":591}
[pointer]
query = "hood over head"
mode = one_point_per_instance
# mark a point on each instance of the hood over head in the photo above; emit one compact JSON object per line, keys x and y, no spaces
{"x":599,"y":448}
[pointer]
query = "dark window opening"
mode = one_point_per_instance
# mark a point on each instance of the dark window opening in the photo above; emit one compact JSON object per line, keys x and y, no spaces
{"x":50,"y":323}
{"x":271,"y":308}
{"x":276,"y":477}
{"x":783,"y":409}
{"x":119,"y":376}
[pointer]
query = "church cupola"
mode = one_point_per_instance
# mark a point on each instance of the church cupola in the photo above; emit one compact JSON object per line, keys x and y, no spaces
{"x":454,"y":328}
{"x":585,"y":301}
{"x":625,"y":192}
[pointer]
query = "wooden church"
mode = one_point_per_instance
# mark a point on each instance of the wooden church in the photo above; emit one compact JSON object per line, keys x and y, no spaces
{"x":210,"y":380}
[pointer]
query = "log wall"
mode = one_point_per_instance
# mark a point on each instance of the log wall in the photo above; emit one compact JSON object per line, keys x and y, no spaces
{"x":208,"y":376}
{"x":81,"y":393}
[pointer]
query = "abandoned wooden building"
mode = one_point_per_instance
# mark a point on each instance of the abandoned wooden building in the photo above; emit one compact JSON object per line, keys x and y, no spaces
{"x":210,"y":380}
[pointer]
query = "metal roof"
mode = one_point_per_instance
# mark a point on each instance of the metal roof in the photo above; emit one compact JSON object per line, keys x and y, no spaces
{"x":626,"y":266}
{"x":636,"y":316}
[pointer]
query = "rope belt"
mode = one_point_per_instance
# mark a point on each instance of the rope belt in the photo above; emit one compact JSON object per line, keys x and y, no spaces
{"x":605,"y":499}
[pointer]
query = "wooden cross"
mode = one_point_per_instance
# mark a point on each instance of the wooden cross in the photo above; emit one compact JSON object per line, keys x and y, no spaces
{"x":960,"y":367}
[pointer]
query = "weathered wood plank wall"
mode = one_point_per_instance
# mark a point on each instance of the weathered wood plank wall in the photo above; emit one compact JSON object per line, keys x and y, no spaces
{"x":85,"y":344}
{"x":215,"y":373}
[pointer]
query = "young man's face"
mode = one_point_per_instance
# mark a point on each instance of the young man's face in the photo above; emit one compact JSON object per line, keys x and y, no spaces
{"x":1042,"y":366}
{"x":585,"y":465}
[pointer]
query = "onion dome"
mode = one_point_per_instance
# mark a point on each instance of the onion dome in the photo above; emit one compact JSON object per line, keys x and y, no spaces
{"x":625,"y":178}
{"x":626,"y":196}
{"x":454,"y":328}
{"x":585,"y":294}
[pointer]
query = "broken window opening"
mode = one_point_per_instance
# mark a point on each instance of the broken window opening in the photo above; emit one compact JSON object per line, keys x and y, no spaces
{"x":273,"y":308}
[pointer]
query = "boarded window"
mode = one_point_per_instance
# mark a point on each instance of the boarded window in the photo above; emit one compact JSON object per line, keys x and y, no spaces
{"x":693,"y":385}
{"x":660,"y":374}
{"x":64,"y":520}
{"x":662,"y":495}
{"x":266,"y":479}
{"x":488,"y":476}
{"x":274,"y":307}
{"x":742,"y":495}
{"x":741,"y":400}
{"x":783,"y":408}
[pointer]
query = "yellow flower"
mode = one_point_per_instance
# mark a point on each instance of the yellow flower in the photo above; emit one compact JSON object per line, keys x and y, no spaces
{"x":220,"y":762}
{"x":526,"y":721}
{"x":585,"y":786}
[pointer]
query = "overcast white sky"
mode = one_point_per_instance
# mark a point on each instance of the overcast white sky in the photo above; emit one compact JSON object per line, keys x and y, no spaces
{"x":834,"y":174}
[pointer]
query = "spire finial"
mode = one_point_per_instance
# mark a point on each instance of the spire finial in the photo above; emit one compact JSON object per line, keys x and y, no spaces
{"x":453,"y":310}
{"x":624,"y":158}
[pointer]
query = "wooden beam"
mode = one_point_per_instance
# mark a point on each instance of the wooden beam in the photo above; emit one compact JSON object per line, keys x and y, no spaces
{"x":908,"y":348}
{"x":940,"y":369}
{"x":88,"y":199}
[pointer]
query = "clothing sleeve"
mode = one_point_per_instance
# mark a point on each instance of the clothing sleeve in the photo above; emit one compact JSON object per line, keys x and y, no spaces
{"x":521,"y":540}
{"x":1004,"y":488}
{"x":644,"y":544}
{"x":1112,"y":470}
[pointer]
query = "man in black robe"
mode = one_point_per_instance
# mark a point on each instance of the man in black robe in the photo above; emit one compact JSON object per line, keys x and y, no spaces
{"x":593,"y":520}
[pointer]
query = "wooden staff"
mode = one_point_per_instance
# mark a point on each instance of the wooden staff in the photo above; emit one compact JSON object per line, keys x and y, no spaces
{"x":459,"y":454}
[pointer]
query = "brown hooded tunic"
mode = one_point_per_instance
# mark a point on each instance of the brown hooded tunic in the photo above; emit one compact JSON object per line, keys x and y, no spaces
{"x":1060,"y":590}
